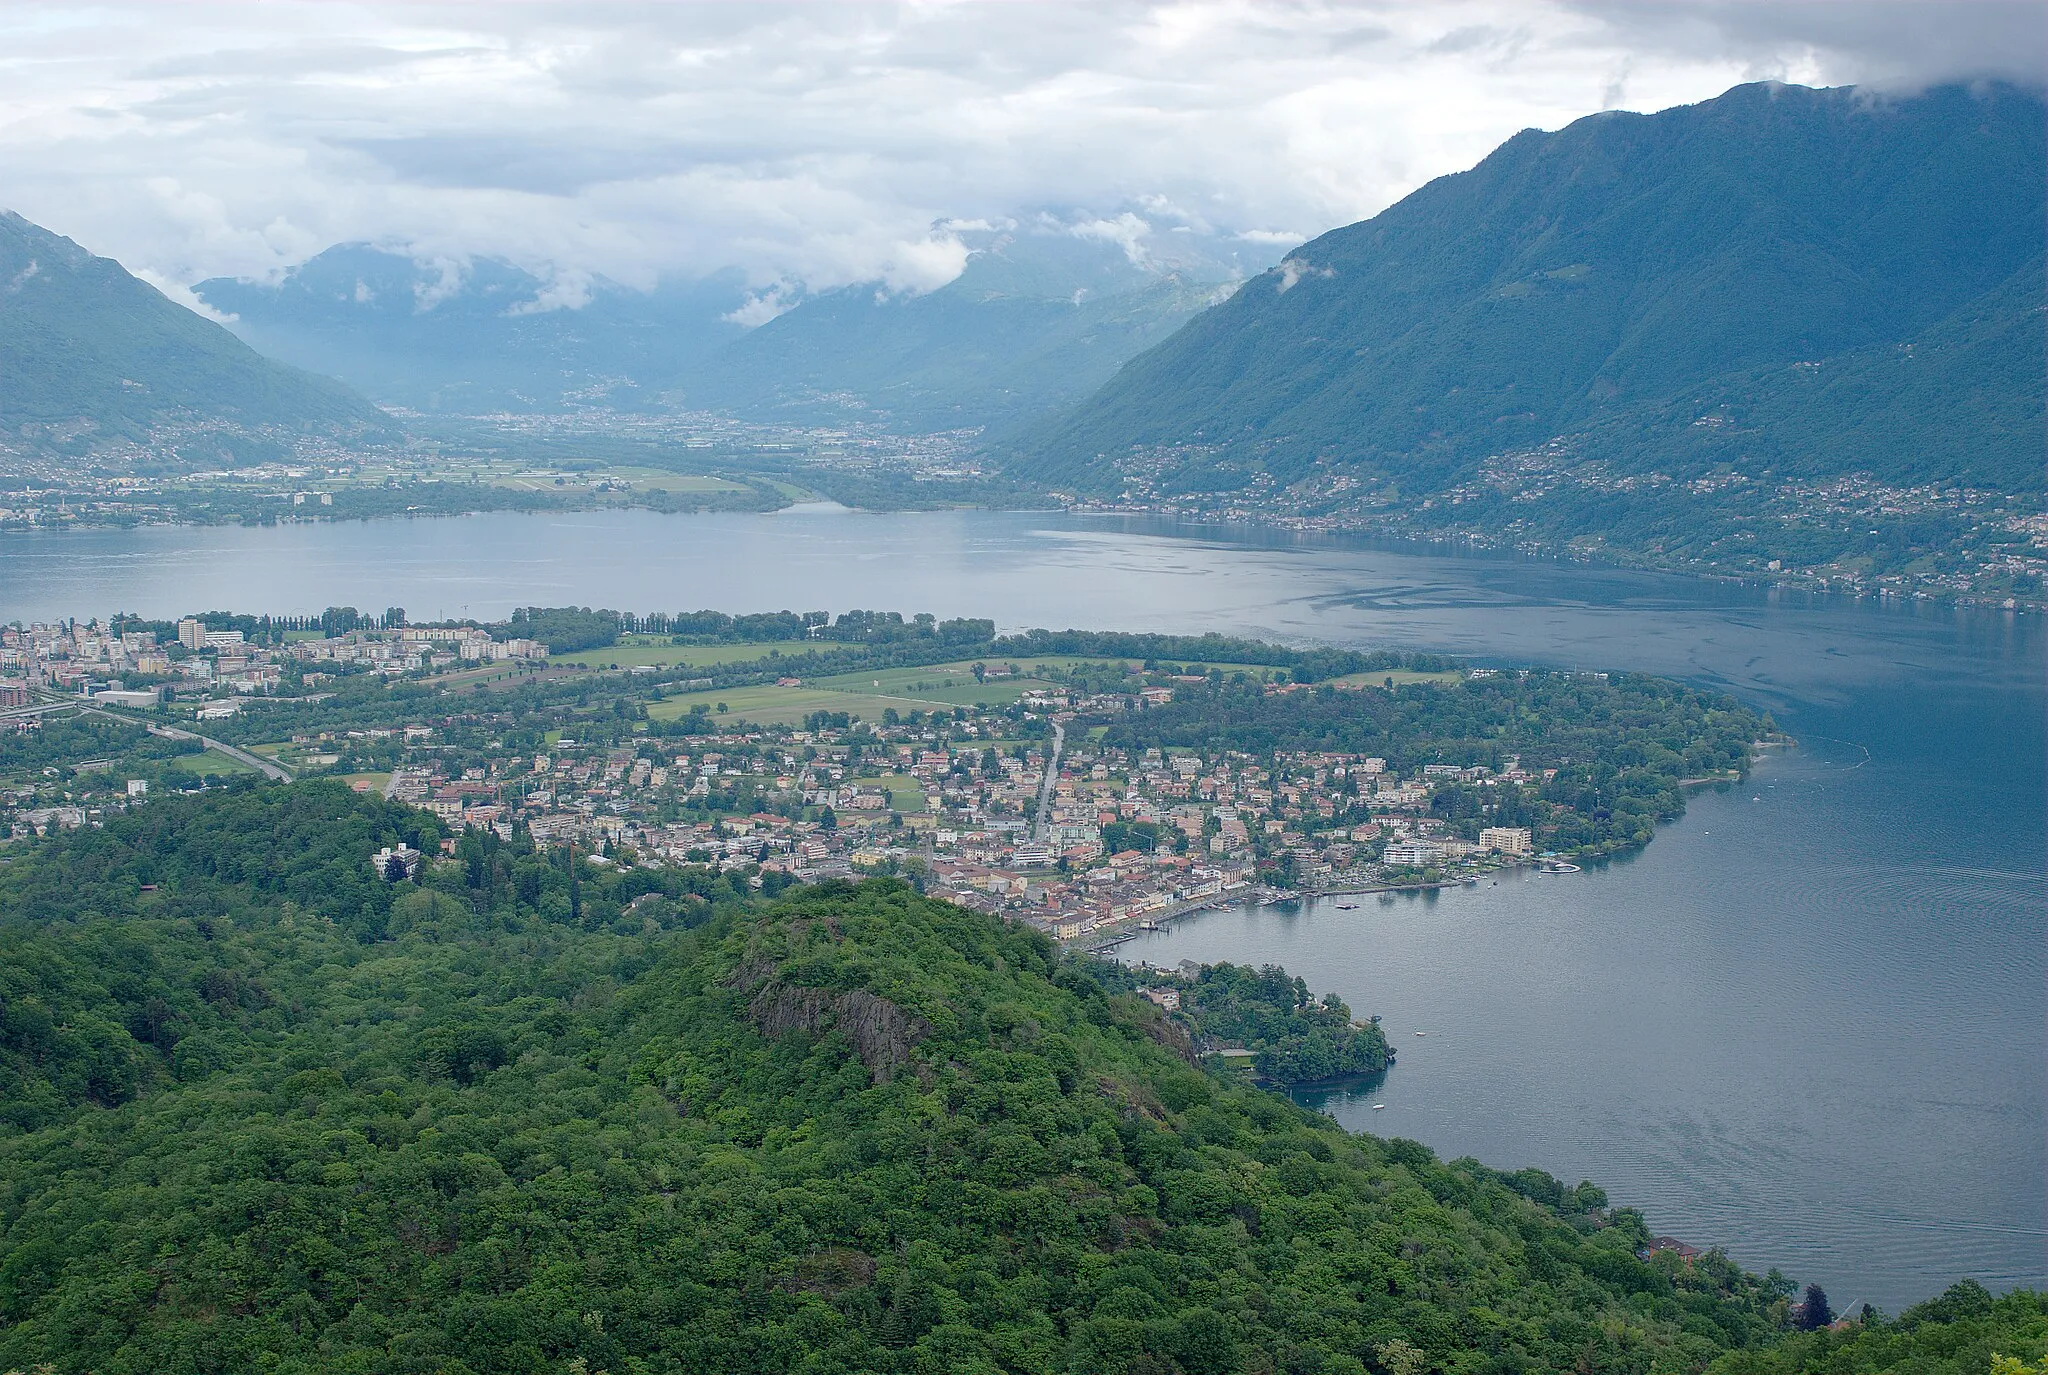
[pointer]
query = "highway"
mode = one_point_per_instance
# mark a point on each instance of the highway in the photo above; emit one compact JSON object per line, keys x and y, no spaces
{"x":268,"y":768}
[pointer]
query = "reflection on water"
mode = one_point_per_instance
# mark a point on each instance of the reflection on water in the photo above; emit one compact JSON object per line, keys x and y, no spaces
{"x":1808,"y":1023}
{"x":1345,"y":1097}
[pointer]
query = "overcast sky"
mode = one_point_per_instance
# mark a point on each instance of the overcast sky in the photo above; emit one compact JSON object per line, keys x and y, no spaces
{"x":822,"y":143}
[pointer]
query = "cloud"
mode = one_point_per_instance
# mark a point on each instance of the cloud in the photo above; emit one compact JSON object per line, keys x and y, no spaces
{"x":570,"y":290}
{"x":182,"y":294}
{"x":1894,"y":45}
{"x":762,"y":306}
{"x":1126,"y":231}
{"x":827,"y":143}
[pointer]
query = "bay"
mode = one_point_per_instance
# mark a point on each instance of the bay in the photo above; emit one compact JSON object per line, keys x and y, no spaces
{"x":1808,"y":1023}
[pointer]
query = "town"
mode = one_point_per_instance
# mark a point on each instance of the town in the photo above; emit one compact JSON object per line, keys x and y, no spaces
{"x":1026,"y":786}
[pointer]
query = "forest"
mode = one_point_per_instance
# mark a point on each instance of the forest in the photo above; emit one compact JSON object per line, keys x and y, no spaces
{"x":265,"y":1110}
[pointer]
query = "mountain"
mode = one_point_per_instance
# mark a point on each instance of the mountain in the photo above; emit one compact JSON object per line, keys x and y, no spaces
{"x":260,"y":1108}
{"x":90,"y":354}
{"x":477,"y":336}
{"x":1034,"y":323}
{"x":1802,"y":281}
{"x":1040,"y":317}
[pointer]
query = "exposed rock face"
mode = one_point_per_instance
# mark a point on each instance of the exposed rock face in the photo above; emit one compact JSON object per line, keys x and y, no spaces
{"x":882,"y":1033}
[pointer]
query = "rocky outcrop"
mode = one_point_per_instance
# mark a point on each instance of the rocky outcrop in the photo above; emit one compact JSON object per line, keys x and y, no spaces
{"x":882,"y":1033}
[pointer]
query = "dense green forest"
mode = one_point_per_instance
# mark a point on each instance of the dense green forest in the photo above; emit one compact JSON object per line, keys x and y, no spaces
{"x":1964,"y":1331}
{"x":266,"y":1111}
{"x":1294,"y":1037}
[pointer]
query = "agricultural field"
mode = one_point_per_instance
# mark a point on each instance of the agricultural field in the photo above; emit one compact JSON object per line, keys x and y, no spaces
{"x":1401,"y":677}
{"x":658,"y":651}
{"x":951,"y":686}
{"x":656,"y":479}
{"x":769,"y":705}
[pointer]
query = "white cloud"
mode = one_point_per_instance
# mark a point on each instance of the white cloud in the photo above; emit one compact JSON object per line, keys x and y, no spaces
{"x":570,"y":290}
{"x":827,"y":143}
{"x":183,"y":295}
{"x":762,"y":306}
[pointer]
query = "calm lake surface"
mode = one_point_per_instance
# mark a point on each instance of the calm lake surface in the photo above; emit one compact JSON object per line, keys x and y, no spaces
{"x":1808,"y":1024}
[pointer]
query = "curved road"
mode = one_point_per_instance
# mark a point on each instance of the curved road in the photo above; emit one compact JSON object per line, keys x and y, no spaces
{"x":268,"y":768}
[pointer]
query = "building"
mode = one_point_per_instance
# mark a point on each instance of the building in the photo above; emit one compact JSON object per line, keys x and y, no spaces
{"x":191,"y":633}
{"x":1509,"y":840}
{"x":1414,"y":852}
{"x":13,"y":693}
{"x":394,"y":866}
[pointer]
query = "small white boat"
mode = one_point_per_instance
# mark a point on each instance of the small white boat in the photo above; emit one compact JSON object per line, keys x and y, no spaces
{"x":1379,"y":1107}
{"x":1422,"y":1033}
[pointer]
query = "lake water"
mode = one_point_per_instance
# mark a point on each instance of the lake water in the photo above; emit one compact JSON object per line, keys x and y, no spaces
{"x":1807,"y":1024}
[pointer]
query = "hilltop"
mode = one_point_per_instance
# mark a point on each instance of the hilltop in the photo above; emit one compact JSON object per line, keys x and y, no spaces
{"x":353,"y":1124}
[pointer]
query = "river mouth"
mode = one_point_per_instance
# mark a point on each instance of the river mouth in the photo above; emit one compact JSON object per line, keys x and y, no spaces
{"x":1807,"y":1023}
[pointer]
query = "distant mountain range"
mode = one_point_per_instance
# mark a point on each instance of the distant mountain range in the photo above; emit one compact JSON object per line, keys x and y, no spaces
{"x":1787,"y":281}
{"x":478,"y":336}
{"x":91,"y":356}
{"x":1038,"y":320}
{"x":1033,"y":324}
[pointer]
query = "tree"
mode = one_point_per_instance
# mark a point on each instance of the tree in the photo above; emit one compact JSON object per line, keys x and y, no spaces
{"x":1814,"y":1312}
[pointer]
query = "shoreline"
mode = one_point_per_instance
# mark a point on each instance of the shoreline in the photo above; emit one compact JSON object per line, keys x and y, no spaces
{"x":1465,"y":545}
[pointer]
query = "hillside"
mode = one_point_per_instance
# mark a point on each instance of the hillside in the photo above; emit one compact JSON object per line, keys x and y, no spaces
{"x":1798,"y":283}
{"x":264,"y":1110}
{"x":90,"y":355}
{"x":475,"y":337}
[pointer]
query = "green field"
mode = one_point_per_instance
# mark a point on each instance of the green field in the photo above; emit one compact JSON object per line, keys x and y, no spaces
{"x":644,"y":651}
{"x":906,"y":794}
{"x":1402,"y":678}
{"x":769,"y":705}
{"x":212,"y":761}
{"x":647,"y":479}
{"x":952,"y":686}
{"x":660,"y":480}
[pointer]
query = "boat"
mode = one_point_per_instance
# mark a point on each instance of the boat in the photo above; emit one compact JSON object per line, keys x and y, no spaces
{"x":1566,"y":869}
{"x":1422,"y":1033}
{"x":1379,"y":1107}
{"x":1347,"y":907}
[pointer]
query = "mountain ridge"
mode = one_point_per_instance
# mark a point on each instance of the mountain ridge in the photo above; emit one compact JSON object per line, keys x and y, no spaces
{"x":93,"y":355}
{"x":1617,"y":262}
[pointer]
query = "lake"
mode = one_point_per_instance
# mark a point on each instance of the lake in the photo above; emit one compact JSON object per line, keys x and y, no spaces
{"x":1807,"y":1024}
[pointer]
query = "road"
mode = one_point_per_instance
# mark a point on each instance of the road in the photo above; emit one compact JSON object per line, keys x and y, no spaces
{"x":266,"y":767}
{"x":1052,"y":774}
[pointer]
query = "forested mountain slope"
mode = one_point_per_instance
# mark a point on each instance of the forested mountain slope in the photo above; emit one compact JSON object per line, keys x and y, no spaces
{"x":90,"y":354}
{"x":1794,"y":281}
{"x":267,"y":1112}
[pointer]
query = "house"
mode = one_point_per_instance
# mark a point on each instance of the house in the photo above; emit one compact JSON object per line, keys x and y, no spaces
{"x":396,"y":865}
